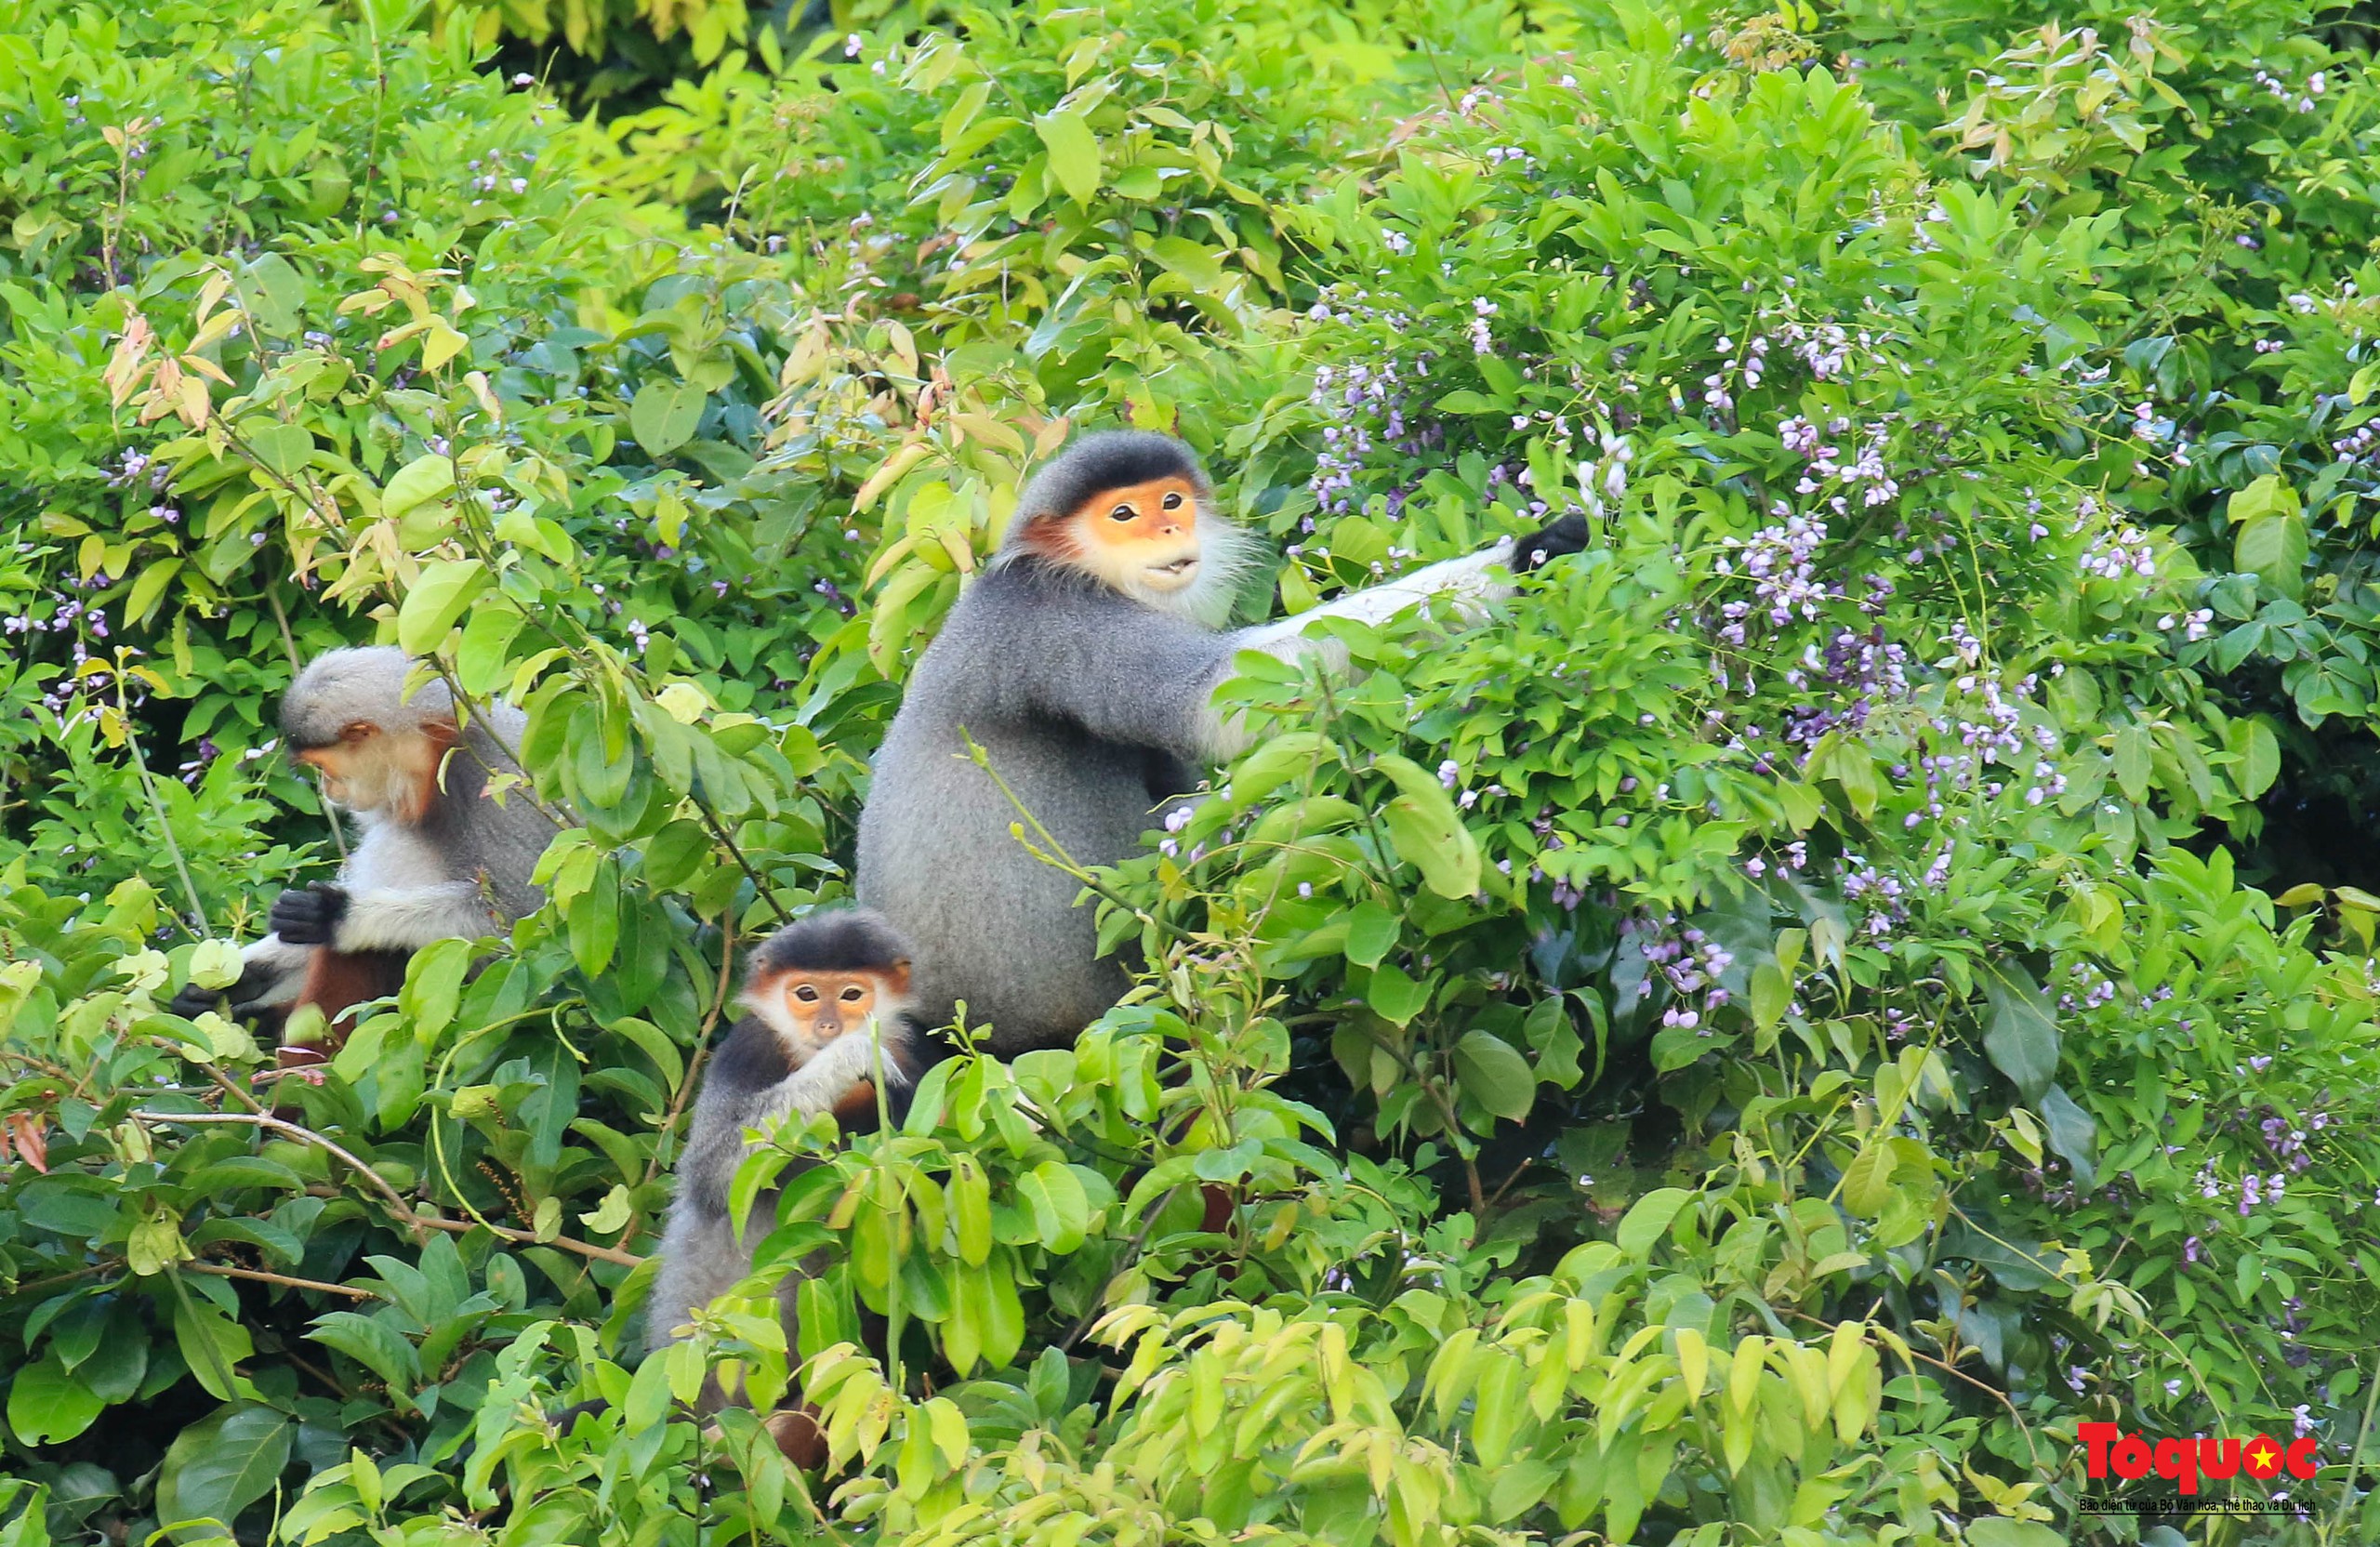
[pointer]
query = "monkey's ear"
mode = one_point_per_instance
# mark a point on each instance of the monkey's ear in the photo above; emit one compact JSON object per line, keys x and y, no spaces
{"x":442,"y":733}
{"x":898,"y":975}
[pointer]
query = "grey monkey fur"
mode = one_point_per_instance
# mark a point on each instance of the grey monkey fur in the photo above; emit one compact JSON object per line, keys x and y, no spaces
{"x":1093,"y":707}
{"x":751,"y":1085}
{"x":462,"y":870}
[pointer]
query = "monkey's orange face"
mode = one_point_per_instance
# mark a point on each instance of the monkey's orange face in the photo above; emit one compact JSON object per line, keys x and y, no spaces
{"x":369,"y":769}
{"x":819,"y":1007}
{"x":1142,"y":537}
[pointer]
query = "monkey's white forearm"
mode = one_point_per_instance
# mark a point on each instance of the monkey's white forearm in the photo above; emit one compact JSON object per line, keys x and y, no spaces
{"x":821,"y":1084}
{"x":271,"y":973}
{"x":1466,"y":580}
{"x":1469,"y":581}
{"x":405,"y":919}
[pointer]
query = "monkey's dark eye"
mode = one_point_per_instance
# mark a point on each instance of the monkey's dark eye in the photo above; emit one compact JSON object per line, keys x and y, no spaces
{"x":854,"y":994}
{"x":1173,"y":502}
{"x":806,"y":994}
{"x":1123,"y":512}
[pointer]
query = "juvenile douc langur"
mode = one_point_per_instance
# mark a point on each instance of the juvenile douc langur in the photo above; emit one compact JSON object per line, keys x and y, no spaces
{"x":437,"y":858}
{"x":830,"y":998}
{"x":1084,"y":662}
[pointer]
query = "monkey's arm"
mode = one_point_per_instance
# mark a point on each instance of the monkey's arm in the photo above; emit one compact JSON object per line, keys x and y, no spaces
{"x":1474,"y":582}
{"x":1469,"y":580}
{"x":387,"y":918}
{"x":271,"y":973}
{"x":821,"y":1084}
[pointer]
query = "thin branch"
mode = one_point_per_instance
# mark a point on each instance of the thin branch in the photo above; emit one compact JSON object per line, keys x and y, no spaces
{"x":530,"y":1238}
{"x":719,"y":834}
{"x":225,"y":1269}
{"x":1124,"y":1260}
{"x":702,"y":1046}
{"x":306,"y":1135}
{"x":2000,"y":1396}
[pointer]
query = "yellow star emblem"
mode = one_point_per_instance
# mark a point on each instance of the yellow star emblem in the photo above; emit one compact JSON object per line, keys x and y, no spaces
{"x":2263,"y":1457}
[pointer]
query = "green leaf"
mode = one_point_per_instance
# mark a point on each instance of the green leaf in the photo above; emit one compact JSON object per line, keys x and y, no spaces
{"x":1274,"y":761}
{"x":1772,"y":993}
{"x":1999,"y":1532}
{"x":1371,"y":930}
{"x":1428,"y":834}
{"x":284,"y":449}
{"x":1649,"y":1219}
{"x":47,"y":1405}
{"x":2261,"y":765}
{"x":274,"y":294}
{"x":611,"y":1214}
{"x":1854,"y":768}
{"x":433,"y":987}
{"x":372,"y":1344}
{"x":1201,"y":267}
{"x":416,"y":483}
{"x":1061,"y":1209}
{"x":155,"y":577}
{"x":437,"y":600}
{"x":970,"y":1195}
{"x":1396,"y":995}
{"x":2264,"y":496}
{"x":220,"y":1465}
{"x":673,"y":854}
{"x":1074,"y":154}
{"x":2132,"y":755}
{"x":2072,"y":1134}
{"x":1493,"y":1073}
{"x":2020,"y":1039}
{"x":212,"y":1344}
{"x":2273,"y":549}
{"x":1867,"y":1181}
{"x":664,"y":415}
{"x":479,"y":660}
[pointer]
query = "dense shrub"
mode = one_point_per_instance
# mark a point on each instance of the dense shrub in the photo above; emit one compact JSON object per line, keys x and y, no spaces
{"x":1756,"y":1044}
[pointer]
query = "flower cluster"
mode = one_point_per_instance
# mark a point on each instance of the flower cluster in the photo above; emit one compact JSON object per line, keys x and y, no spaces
{"x":1782,"y":561}
{"x":1690,"y":963}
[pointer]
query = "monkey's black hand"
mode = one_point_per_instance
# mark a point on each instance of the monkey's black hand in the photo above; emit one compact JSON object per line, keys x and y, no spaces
{"x":1561,"y":535}
{"x":194,"y":1002}
{"x":310,"y":918}
{"x":255,"y":983}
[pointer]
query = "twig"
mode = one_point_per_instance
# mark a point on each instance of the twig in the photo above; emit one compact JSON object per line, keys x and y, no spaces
{"x":2355,"y":1459}
{"x":1124,"y":1260}
{"x":702,"y":1046}
{"x":307,"y":1135}
{"x":224,"y":1270}
{"x":719,"y":834}
{"x":530,"y":1238}
{"x":2000,"y":1396}
{"x":157,"y":809}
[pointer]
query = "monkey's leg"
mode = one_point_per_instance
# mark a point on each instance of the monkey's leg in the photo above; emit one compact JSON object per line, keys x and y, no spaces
{"x":800,"y":1439}
{"x":335,"y":983}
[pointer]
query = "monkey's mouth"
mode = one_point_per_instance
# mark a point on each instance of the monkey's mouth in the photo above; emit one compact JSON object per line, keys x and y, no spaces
{"x":1172,"y":576}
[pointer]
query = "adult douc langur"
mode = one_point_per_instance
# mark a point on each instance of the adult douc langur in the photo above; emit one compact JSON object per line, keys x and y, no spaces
{"x":1084,"y":662}
{"x":437,"y":858}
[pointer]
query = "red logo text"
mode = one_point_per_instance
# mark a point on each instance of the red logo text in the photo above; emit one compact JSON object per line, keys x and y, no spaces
{"x":2183,"y":1461}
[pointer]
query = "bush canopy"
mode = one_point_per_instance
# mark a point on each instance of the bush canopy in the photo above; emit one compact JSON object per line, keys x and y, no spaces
{"x":1857,"y":978}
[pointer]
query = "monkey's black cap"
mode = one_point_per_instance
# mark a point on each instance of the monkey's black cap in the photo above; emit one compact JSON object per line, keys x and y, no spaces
{"x":838,"y":940}
{"x":1111,"y":459}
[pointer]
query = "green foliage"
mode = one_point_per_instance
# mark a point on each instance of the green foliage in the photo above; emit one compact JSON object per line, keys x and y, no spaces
{"x":1753,"y":1043}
